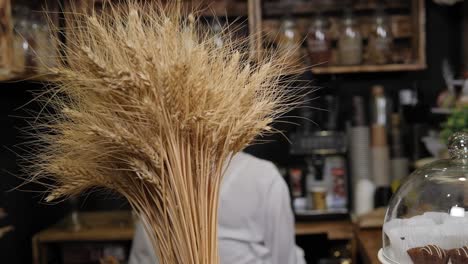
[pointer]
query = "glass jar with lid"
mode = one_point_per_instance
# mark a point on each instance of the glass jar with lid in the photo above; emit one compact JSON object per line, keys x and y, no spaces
{"x":379,"y":47}
{"x":349,"y":41}
{"x":289,"y":41}
{"x":319,"y":41}
{"x":217,"y":29}
{"x":426,"y":221}
{"x":21,"y":39}
{"x":45,"y":47}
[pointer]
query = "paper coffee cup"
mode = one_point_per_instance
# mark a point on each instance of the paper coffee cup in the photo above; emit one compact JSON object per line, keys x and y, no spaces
{"x":319,"y":198}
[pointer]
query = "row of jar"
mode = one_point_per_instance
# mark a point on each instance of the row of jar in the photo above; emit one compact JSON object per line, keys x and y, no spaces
{"x":350,"y":46}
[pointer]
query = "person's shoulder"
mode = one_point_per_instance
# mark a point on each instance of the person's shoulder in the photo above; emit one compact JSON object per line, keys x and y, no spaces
{"x":263,"y":169}
{"x":254,"y":161}
{"x":264,"y":177}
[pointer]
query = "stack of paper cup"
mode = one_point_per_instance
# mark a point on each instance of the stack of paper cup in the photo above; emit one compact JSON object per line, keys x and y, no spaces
{"x":364,"y":191}
{"x":360,"y":152}
{"x":361,"y":169}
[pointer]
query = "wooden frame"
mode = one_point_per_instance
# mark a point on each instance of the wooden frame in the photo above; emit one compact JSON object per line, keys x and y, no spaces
{"x":253,"y":10}
{"x":6,"y":39}
{"x":418,"y":40}
{"x":8,"y":69}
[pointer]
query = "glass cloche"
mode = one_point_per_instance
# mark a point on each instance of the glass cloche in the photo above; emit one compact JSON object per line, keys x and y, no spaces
{"x":427,"y":221}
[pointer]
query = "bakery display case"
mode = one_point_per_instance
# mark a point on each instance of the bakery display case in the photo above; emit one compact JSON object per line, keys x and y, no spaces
{"x":426,"y":220}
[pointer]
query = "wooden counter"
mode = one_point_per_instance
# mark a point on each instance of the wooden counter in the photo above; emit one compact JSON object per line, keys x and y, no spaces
{"x":369,"y":242}
{"x":95,"y":226}
{"x":335,"y":230}
{"x":119,"y":226}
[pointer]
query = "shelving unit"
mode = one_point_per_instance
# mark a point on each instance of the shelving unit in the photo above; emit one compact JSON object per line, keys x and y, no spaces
{"x":239,"y":11}
{"x":263,"y":18}
{"x":407,"y":23}
{"x":367,"y":68}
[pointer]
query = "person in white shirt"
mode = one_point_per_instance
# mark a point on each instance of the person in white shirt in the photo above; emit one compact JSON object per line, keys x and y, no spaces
{"x":256,"y":223}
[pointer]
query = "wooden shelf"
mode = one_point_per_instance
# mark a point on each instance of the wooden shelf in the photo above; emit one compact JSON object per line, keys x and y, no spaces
{"x":230,"y":8}
{"x":407,"y":24}
{"x":33,"y":77}
{"x":305,"y":8}
{"x":401,"y":26}
{"x":221,"y":9}
{"x":442,"y":111}
{"x":367,"y":68}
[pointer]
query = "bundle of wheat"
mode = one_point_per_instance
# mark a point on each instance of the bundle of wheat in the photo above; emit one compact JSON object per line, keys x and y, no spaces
{"x":149,"y":106}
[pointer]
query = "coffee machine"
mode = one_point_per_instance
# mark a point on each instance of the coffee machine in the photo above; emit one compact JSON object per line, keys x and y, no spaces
{"x":319,"y":177}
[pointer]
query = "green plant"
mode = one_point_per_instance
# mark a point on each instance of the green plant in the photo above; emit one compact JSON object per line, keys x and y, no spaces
{"x":456,"y":122}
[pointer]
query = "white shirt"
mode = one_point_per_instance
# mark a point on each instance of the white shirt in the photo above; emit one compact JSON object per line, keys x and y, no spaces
{"x":256,"y":223}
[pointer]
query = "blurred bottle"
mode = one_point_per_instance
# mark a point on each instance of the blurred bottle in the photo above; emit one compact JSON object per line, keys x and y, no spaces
{"x":350,"y":41}
{"x":332,"y":108}
{"x":359,"y":113}
{"x":380,"y":107}
{"x":296,"y":178}
{"x":380,"y":154}
{"x":319,"y":41}
{"x":217,"y":30}
{"x":312,"y":181}
{"x":396,"y":147}
{"x":307,"y":114}
{"x":76,"y":223}
{"x":414,"y":119}
{"x":399,"y":161}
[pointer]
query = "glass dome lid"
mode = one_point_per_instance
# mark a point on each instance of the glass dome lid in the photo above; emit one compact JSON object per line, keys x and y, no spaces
{"x":426,"y":221}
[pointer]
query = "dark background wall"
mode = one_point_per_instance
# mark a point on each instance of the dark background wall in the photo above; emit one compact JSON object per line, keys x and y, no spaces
{"x":29,"y":215}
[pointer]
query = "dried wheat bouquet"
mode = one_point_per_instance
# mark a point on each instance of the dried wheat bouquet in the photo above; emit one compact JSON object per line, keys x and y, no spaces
{"x":148,"y":106}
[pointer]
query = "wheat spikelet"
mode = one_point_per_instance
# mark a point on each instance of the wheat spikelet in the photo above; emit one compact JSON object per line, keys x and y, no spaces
{"x":147,"y":105}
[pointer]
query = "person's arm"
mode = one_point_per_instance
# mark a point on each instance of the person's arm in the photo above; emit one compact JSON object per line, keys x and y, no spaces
{"x":142,"y":252}
{"x":280,"y":231}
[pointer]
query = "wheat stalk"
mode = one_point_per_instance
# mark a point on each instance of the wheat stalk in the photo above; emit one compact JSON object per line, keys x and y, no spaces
{"x":147,"y":105}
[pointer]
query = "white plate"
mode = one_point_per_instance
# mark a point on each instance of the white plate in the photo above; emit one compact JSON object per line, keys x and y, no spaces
{"x":382,"y":259}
